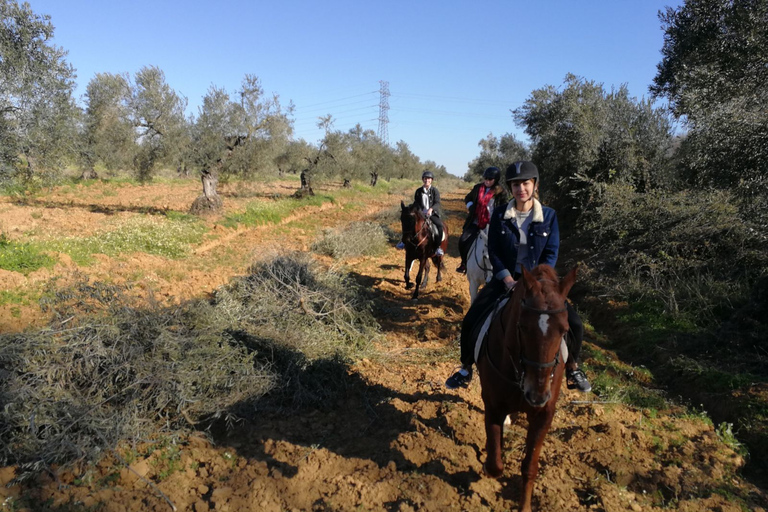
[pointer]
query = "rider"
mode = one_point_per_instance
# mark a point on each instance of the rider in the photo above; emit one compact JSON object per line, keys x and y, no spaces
{"x":428,"y":198}
{"x":522,"y":233}
{"x":481,"y":201}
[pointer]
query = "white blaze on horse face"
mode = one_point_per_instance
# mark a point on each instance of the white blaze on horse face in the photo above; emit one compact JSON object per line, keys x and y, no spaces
{"x":544,"y":324}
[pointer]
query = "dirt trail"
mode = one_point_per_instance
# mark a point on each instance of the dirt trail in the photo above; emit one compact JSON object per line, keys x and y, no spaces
{"x":399,"y":441}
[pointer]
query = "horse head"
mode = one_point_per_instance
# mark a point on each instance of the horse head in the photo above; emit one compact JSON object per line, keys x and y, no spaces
{"x":542,"y":322}
{"x":411,"y":219}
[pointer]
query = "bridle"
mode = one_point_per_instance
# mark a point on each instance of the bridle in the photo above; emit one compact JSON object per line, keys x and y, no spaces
{"x":481,"y":262}
{"x":519,"y":369}
{"x":413,"y":239}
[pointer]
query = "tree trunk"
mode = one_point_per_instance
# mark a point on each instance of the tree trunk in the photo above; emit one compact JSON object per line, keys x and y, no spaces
{"x":89,"y":174}
{"x":210,"y":201}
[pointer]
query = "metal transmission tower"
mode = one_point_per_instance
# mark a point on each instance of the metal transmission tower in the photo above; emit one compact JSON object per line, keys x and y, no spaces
{"x":383,"y":111}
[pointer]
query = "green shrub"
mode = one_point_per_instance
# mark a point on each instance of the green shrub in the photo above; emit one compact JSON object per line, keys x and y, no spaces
{"x":691,"y":250}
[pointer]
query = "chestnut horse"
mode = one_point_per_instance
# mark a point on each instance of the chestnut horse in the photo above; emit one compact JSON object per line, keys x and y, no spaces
{"x":521,"y":366}
{"x":420,"y":244}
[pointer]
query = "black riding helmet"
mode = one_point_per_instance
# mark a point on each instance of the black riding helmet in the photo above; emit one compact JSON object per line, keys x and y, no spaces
{"x":521,"y":171}
{"x":492,"y":173}
{"x":427,"y":174}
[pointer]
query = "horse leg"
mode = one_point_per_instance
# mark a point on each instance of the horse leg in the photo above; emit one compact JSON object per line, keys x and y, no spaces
{"x":408,"y":264}
{"x":438,"y":261}
{"x":538,"y":425}
{"x":426,"y":273}
{"x":494,"y":435}
{"x":419,"y":276}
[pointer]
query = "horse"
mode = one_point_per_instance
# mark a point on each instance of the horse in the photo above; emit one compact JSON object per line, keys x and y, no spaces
{"x":521,"y":366}
{"x":420,"y":244}
{"x":479,"y":269}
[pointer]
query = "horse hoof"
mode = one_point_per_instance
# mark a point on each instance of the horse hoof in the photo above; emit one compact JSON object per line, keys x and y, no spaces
{"x":408,"y":286}
{"x":491,"y":475}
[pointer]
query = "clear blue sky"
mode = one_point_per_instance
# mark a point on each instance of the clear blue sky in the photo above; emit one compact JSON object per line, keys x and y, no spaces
{"x":455,"y":68}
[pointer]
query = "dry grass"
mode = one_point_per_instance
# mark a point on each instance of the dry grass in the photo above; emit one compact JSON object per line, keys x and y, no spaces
{"x":109,"y":370}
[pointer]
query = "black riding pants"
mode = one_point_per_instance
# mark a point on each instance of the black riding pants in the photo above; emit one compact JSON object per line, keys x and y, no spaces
{"x":439,"y":223}
{"x":466,"y":240}
{"x":488,"y":296}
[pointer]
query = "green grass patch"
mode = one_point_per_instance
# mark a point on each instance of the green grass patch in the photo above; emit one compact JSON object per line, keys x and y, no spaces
{"x":261,"y":213}
{"x":18,"y":297}
{"x":23,"y":257}
{"x":162,"y":237}
{"x":652,"y":324}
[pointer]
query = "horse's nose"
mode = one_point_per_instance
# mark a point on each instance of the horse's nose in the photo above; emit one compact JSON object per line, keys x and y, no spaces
{"x":537,"y":400}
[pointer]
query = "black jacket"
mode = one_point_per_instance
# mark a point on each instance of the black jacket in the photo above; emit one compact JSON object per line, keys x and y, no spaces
{"x":434,"y":200}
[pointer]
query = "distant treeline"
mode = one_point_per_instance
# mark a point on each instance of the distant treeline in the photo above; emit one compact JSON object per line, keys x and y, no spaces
{"x":138,"y":124}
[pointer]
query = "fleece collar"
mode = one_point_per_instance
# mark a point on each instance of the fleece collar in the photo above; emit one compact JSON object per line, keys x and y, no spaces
{"x":538,"y":213}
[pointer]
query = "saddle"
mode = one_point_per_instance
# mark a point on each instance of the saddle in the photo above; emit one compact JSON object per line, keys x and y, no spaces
{"x":434,"y":230}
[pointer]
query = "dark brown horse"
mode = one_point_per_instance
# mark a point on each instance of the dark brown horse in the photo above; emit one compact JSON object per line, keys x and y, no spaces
{"x":421,"y":243}
{"x":521,"y":367}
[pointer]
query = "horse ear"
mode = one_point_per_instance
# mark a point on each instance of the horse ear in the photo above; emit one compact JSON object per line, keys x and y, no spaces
{"x":529,"y":281}
{"x":568,"y":281}
{"x":402,"y":205}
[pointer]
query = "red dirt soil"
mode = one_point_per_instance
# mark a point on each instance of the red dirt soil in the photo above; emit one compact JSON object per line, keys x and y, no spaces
{"x":400,"y":441}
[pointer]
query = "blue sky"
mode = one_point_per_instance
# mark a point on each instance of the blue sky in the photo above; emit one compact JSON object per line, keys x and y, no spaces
{"x":455,"y":68}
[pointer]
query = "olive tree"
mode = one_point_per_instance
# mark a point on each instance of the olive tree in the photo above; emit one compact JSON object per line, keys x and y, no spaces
{"x":496,"y":152}
{"x":158,"y":117}
{"x":109,"y":134}
{"x":236,"y":138}
{"x":38,"y":114}
{"x":583,"y":133}
{"x":714,"y":73}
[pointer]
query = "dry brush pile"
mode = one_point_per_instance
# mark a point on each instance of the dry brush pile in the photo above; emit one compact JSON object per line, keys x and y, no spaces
{"x":109,"y":370}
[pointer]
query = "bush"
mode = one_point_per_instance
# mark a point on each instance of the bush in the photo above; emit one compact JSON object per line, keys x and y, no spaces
{"x":355,"y":239}
{"x":691,"y":250}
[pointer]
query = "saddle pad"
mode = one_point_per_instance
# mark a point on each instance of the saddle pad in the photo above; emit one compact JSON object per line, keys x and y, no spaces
{"x":480,"y":339}
{"x":486,"y":324}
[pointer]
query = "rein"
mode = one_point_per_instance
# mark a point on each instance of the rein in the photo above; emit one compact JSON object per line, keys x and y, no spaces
{"x":519,"y":371}
{"x":481,"y":262}
{"x":424,"y":231}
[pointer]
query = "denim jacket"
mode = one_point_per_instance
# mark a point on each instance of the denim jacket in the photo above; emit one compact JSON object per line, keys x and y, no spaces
{"x":504,"y":237}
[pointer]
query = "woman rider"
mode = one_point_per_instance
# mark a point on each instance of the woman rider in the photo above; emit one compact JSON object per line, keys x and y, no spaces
{"x":427,"y":198}
{"x":480,"y":201}
{"x":522,"y":233}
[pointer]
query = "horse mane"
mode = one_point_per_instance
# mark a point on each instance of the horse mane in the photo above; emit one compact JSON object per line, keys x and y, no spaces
{"x":548,"y":288}
{"x":545,"y":272}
